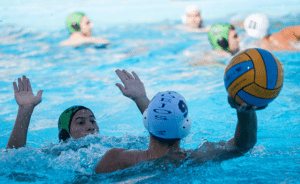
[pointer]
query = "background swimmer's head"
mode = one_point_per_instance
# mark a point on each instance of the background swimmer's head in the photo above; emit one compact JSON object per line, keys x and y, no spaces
{"x":224,"y":37}
{"x":80,"y":23}
{"x":192,"y":17}
{"x":257,"y":25}
{"x":167,"y":117}
{"x":73,"y":21}
{"x":76,"y":122}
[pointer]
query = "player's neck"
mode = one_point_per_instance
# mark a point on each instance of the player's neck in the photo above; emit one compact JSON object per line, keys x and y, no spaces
{"x":157,"y":149}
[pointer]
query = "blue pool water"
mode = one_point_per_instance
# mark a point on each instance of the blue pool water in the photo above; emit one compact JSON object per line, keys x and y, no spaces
{"x":163,"y":57}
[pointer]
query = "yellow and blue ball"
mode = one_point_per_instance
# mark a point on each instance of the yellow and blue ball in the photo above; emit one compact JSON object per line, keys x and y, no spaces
{"x":254,"y":76}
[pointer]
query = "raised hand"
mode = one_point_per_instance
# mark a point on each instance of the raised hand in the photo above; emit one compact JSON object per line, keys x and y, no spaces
{"x":26,"y":101}
{"x":24,"y":95}
{"x":243,"y":107}
{"x":133,"y":86}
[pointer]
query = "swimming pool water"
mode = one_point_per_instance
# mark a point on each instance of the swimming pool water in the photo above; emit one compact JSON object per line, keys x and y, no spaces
{"x":160,"y":55}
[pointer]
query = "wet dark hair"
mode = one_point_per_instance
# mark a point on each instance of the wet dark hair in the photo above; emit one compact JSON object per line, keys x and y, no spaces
{"x":231,"y":27}
{"x":168,"y":142}
{"x":223,"y":42}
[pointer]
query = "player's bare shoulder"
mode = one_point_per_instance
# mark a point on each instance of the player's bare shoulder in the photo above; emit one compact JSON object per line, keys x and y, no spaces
{"x":75,"y":40}
{"x":132,"y":157}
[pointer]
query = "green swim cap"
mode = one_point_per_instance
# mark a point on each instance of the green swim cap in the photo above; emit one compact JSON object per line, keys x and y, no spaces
{"x":64,"y":121}
{"x":218,"y":31}
{"x":74,"y":18}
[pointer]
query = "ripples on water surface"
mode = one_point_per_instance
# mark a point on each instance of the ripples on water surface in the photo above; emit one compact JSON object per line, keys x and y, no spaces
{"x":161,"y":56}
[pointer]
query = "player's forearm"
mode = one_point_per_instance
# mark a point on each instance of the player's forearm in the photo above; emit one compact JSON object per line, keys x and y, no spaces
{"x":98,"y":40}
{"x":142,"y":103}
{"x":246,"y":131}
{"x":104,"y":41}
{"x":18,"y":135}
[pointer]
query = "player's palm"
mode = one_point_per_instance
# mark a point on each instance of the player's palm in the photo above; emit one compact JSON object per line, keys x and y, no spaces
{"x":133,"y":86}
{"x":134,"y":89}
{"x":24,"y":94}
{"x":27,"y":97}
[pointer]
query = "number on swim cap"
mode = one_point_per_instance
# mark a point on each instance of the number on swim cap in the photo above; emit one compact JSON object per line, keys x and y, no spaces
{"x":252,"y":24}
{"x":257,"y":25}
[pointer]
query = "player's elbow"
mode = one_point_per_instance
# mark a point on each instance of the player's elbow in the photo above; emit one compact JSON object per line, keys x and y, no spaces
{"x":246,"y":147}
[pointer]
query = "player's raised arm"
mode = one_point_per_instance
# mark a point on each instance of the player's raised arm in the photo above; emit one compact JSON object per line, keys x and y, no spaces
{"x":244,"y":138}
{"x":26,"y":101}
{"x":133,"y":88}
{"x":245,"y":135}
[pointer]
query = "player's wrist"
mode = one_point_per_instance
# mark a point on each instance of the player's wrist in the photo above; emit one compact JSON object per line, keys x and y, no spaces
{"x":246,"y":112}
{"x":27,"y":106}
{"x":139,"y":98}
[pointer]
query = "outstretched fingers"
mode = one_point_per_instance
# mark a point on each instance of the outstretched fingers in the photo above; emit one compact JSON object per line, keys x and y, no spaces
{"x":239,"y":107}
{"x":20,"y":84}
{"x":28,"y":85}
{"x":242,"y":107}
{"x":128,"y":74}
{"x":15,"y":87}
{"x":25,"y":82}
{"x":231,"y":102}
{"x":136,"y":76}
{"x":121,"y":75}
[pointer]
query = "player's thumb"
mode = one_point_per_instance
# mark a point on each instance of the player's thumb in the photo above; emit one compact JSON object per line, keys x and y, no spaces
{"x":120,"y":87}
{"x":39,"y":94}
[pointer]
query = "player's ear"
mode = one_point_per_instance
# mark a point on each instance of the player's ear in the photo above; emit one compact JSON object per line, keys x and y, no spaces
{"x":223,"y":42}
{"x":75,"y":26}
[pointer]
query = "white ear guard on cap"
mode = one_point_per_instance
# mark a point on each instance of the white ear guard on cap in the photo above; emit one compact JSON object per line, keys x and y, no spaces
{"x":167,"y":116}
{"x":191,"y":8}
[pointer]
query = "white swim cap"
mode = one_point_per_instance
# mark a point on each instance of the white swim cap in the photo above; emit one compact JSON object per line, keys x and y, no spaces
{"x":167,"y":116}
{"x":257,"y":25}
{"x":189,"y":9}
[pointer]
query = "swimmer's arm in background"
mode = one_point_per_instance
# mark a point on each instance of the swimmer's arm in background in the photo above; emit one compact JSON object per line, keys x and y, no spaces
{"x":26,"y":101}
{"x":286,"y":39}
{"x":204,"y":29}
{"x":97,"y":40}
{"x":296,"y":32}
{"x":73,"y":42}
{"x":290,"y":31}
{"x":194,"y":30}
{"x":77,"y":40}
{"x":133,"y":88}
